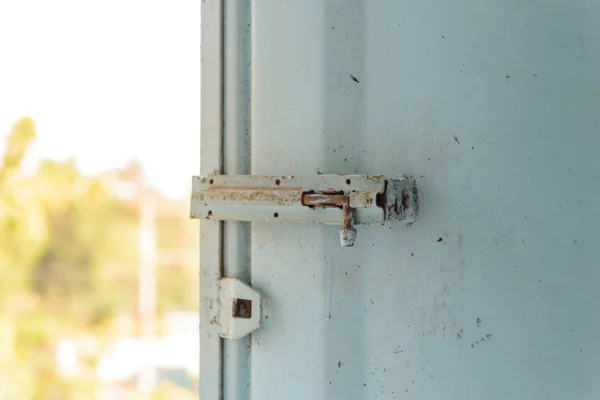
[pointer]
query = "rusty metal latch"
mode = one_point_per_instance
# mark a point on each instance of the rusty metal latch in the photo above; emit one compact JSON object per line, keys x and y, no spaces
{"x":345,"y":200}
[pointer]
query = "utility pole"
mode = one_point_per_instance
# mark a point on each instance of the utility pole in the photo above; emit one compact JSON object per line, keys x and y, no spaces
{"x":147,"y":285}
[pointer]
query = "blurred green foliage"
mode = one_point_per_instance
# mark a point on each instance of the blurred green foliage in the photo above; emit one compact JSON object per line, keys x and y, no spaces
{"x":69,"y":259}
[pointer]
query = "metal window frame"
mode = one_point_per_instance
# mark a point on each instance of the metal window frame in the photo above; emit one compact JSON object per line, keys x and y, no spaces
{"x":225,"y":149}
{"x":211,"y":231}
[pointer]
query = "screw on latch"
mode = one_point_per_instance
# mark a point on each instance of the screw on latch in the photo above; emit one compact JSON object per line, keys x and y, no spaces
{"x":348,"y":232}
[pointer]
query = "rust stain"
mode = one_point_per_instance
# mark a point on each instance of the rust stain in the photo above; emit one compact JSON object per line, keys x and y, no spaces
{"x":278,"y":196}
{"x":362,"y":197}
{"x":415,"y":193}
{"x":256,"y":188}
{"x":348,"y":220}
{"x":348,"y":233}
{"x":405,"y":198}
{"x":324,"y":200}
{"x":393,"y":209}
{"x":375,"y":179}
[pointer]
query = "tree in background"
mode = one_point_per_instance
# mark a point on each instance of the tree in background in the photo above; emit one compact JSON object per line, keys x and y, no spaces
{"x":68,"y":258}
{"x":21,"y":221}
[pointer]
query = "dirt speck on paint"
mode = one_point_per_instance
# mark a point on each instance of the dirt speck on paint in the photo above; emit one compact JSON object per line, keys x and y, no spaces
{"x":456,"y":139}
{"x":355,"y":79}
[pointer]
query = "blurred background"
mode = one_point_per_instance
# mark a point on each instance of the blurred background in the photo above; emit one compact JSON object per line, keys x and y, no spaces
{"x":100,"y":122}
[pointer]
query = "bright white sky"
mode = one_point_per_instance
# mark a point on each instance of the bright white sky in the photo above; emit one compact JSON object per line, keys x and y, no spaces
{"x":106,"y":81}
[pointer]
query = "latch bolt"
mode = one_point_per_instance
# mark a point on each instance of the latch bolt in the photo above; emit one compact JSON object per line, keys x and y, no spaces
{"x":348,"y":232}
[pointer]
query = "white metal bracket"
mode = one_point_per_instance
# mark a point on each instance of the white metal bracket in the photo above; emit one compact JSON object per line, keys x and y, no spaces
{"x":240,"y":309}
{"x":345,"y":200}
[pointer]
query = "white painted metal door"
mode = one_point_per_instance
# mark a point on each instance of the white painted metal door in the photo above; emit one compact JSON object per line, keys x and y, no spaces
{"x":494,"y":107}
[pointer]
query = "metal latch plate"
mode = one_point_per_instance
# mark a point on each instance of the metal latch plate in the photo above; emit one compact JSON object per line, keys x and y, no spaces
{"x":345,"y":200}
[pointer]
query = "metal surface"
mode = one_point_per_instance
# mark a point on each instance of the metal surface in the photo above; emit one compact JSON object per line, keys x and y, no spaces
{"x":240,"y":309}
{"x":493,"y":107}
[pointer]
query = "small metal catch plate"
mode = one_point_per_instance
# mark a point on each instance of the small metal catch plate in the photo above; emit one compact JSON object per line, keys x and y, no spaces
{"x":240,"y":309}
